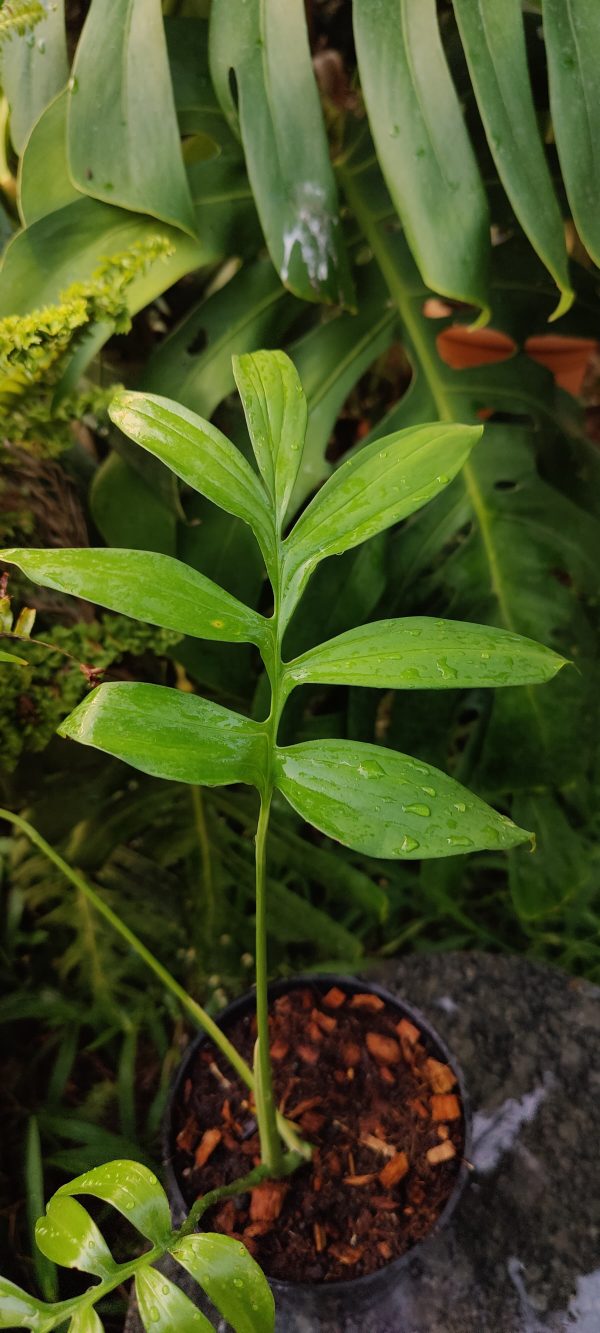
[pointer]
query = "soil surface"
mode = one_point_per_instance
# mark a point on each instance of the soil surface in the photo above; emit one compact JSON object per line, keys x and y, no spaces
{"x":384,"y":1118}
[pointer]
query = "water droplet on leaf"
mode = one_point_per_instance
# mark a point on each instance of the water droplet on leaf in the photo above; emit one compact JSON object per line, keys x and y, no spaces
{"x":417,"y":809}
{"x":408,"y":844}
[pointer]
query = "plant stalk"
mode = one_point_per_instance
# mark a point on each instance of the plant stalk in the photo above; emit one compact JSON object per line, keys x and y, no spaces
{"x":270,"y":1142}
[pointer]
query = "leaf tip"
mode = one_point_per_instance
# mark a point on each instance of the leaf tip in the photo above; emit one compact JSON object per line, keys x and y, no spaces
{"x":567,"y":297}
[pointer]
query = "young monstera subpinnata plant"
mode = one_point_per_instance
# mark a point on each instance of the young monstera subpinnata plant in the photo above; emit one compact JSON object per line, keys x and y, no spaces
{"x":374,"y":800}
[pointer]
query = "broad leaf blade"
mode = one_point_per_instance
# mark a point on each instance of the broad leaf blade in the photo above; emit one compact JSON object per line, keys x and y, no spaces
{"x":68,"y":1236}
{"x":34,"y":69}
{"x":150,"y":587}
{"x":572,"y":35}
{"x":164,"y":1307}
{"x":44,"y":184}
{"x":86,"y":1321}
{"x":198,"y":453}
{"x":276,"y":413}
{"x":383,"y":483}
{"x":168,"y":734}
{"x":124,"y":145}
{"x":386,"y":804}
{"x":231,"y":1279}
{"x":422,"y":144}
{"x":20,"y":1310}
{"x":132,"y":1189}
{"x":419,"y":653}
{"x":494,"y":41}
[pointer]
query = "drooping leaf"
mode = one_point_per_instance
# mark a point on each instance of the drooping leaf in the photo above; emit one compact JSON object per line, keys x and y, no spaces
{"x":494,"y":41}
{"x":572,"y":36}
{"x":419,"y":653}
{"x":383,"y":483}
{"x":168,"y":734}
{"x":276,"y":413}
{"x":148,"y":586}
{"x":68,"y":1236}
{"x":278,"y":115}
{"x":386,"y":804}
{"x":20,"y":1310}
{"x":34,"y":69}
{"x":123,"y":137}
{"x":422,"y":144}
{"x":44,"y":184}
{"x":198,"y":453}
{"x":231,"y":1279}
{"x":131,"y":1188}
{"x":164,"y":1307}
{"x":86,"y":1321}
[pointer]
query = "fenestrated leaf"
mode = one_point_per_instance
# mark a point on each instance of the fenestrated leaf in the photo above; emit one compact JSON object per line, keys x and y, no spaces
{"x":422,"y":144}
{"x":276,"y":412}
{"x":164,"y":1307}
{"x":169,"y":734}
{"x":44,"y":184}
{"x":34,"y":69}
{"x":494,"y":41}
{"x":69,"y":1236}
{"x":198,"y":453}
{"x":20,"y":1310}
{"x":381,"y":484}
{"x":572,"y":35}
{"x":131,"y":1188}
{"x":419,"y":653}
{"x":86,"y":1321}
{"x":386,"y":804}
{"x":231,"y":1279}
{"x":278,"y":115}
{"x":123,"y":138}
{"x":148,"y":586}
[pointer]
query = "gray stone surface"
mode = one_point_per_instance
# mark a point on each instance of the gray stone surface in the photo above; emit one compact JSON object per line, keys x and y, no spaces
{"x":522,"y":1252}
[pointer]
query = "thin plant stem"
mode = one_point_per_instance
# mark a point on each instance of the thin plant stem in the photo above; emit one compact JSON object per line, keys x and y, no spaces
{"x":263,"y":1074}
{"x":207,"y":873}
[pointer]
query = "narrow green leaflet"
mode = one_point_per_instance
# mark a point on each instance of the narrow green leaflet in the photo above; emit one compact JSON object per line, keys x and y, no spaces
{"x":123,"y":138}
{"x":422,"y":144}
{"x":276,"y":413}
{"x":198,"y":453}
{"x":150,"y":587}
{"x":20,"y":1310}
{"x":419,"y":653}
{"x":130,"y":1187}
{"x":493,"y":37}
{"x":572,"y":34}
{"x":86,"y":1321}
{"x":231,"y":1279}
{"x":44,"y":184}
{"x":68,"y":1236}
{"x":386,"y":804}
{"x":382,"y":483}
{"x":168,"y":734}
{"x":12,"y":659}
{"x":34,"y":69}
{"x":263,"y":45}
{"x":164,"y":1307}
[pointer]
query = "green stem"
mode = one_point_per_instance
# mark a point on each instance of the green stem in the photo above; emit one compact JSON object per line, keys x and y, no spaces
{"x":263,"y":1074}
{"x":207,"y":874}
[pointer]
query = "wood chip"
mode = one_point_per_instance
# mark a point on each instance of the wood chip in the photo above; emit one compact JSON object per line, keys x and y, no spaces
{"x":383,"y":1204}
{"x":443,"y":1132}
{"x":188,"y":1136}
{"x":445,"y":1106}
{"x":347,"y":1254}
{"x":256,"y":1229}
{"x":442,"y":1152}
{"x":308,"y":1054}
{"x":266,"y":1200}
{"x":378,"y":1145}
{"x":216,"y":1073}
{"x":320,"y":1237}
{"x":384,"y":1049}
{"x":312,"y":1122}
{"x":315,"y":1032}
{"x":350,"y":1053}
{"x":207,"y":1145}
{"x":386,"y":1075}
{"x":360,"y":1180}
{"x":407,"y":1031}
{"x":419,"y":1108}
{"x":440,"y":1077}
{"x":326,"y":1022}
{"x":367,"y":1001}
{"x":307,"y":1105}
{"x":225,"y":1217}
{"x":394,"y":1170}
{"x":385,"y":1249}
{"x":279,"y":1049}
{"x":334,"y":998}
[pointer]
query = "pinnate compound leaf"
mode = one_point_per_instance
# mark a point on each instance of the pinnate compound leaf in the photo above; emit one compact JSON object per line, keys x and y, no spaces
{"x":131,"y":1188}
{"x":168,"y":734}
{"x":68,"y":1236}
{"x":231,"y":1279}
{"x":86,"y":1321}
{"x":385,"y":804}
{"x":198,"y":453}
{"x":378,"y":486}
{"x":276,"y":414}
{"x":164,"y":1307}
{"x":148,"y":586}
{"x":419,"y":653}
{"x":20,"y":1310}
{"x":124,"y":145}
{"x":572,"y":36}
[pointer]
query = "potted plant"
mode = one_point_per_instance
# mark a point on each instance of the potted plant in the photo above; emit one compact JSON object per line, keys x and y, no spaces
{"x":278,"y":1087}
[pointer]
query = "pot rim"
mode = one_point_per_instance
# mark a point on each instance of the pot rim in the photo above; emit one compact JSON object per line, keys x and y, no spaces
{"x":437,"y":1047}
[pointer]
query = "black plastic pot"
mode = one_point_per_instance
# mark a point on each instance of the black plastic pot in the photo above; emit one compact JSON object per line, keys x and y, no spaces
{"x":360,"y":1304}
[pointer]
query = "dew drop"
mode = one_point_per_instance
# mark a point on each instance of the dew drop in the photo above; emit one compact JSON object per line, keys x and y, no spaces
{"x":370,"y":769}
{"x":165,"y":1291}
{"x":410,"y":673}
{"x":429,"y":791}
{"x":237,"y":1282}
{"x":154,"y":1313}
{"x":446,"y":671}
{"x":460,"y":806}
{"x":129,"y":1204}
{"x":383,"y":453}
{"x":457,"y":841}
{"x":41,"y":46}
{"x":417,"y":809}
{"x":408,"y":844}
{"x":443,"y":479}
{"x":485,"y":657}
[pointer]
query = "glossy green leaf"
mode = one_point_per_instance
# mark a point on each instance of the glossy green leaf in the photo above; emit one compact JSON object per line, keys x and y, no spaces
{"x":422,"y":144}
{"x":123,"y":138}
{"x":128,"y":511}
{"x":419,"y":653}
{"x":34,"y":69}
{"x":386,"y":804}
{"x":20,"y":1310}
{"x":12,"y":659}
{"x":381,"y":484}
{"x":276,"y":414}
{"x":129,"y":1186}
{"x":86,"y":1321}
{"x":572,"y":35}
{"x":169,"y":734}
{"x":264,"y":46}
{"x":44,"y":184}
{"x":164,"y":1307}
{"x":231,"y":1279}
{"x":494,"y":41}
{"x":68,"y":1236}
{"x":45,"y":1271}
{"x":150,"y":587}
{"x":198,"y":453}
